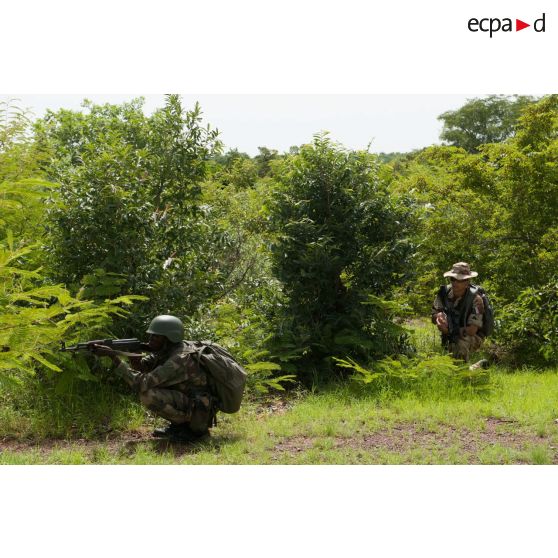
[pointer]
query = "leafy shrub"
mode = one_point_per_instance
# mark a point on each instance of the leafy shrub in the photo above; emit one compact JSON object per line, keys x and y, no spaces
{"x":495,"y":208}
{"x":130,"y":203}
{"x":244,"y":330}
{"x":432,"y":376}
{"x":23,"y":187}
{"x":340,"y":239}
{"x":528,"y":332}
{"x":36,"y":317}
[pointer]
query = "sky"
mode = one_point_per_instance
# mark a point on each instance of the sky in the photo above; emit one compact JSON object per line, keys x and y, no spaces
{"x":387,"y":122}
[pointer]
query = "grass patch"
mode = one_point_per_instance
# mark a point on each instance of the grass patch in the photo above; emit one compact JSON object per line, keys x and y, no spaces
{"x":514,"y":424}
{"x":35,"y":410}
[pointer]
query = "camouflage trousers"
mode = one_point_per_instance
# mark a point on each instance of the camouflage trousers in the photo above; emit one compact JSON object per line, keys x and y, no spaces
{"x":196,"y":411}
{"x":464,"y":346}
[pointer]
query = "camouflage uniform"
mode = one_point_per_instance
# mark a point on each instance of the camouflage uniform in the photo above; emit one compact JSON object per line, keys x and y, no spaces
{"x":172,"y":385}
{"x":462,"y":345}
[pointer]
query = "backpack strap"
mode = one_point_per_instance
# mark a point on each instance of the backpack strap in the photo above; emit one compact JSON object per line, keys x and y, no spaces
{"x":472,"y":292}
{"x":443,"y":294}
{"x":196,"y":348}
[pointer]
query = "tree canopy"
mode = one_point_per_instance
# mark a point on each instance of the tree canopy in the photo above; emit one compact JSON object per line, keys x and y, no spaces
{"x":492,"y":119}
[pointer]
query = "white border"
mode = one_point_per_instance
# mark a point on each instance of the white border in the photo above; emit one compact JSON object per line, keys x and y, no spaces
{"x":301,"y":46}
{"x":292,"y":46}
{"x":271,"y":511}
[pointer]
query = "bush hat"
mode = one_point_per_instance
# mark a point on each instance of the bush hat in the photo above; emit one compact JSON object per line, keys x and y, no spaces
{"x":461,"y":271}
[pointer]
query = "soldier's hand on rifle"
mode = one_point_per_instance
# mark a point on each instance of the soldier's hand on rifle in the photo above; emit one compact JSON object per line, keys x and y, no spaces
{"x":101,"y":350}
{"x":442,"y":322}
{"x":135,"y":363}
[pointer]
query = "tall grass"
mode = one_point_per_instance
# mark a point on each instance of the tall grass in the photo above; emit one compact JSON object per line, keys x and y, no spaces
{"x":430,"y":373}
{"x":35,"y":409}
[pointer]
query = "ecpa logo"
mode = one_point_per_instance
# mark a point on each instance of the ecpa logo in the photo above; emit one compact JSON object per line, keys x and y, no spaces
{"x":494,"y":24}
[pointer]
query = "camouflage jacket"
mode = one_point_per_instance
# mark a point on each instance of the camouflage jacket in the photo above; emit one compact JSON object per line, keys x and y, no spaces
{"x":477,"y":309}
{"x":173,"y":368}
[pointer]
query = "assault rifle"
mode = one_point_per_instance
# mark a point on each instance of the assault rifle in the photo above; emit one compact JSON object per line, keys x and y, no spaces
{"x":125,"y":347}
{"x":454,"y":331}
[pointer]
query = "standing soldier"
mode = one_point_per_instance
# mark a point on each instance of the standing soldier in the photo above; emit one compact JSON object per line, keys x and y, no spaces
{"x":170,"y":382}
{"x":458,"y":312}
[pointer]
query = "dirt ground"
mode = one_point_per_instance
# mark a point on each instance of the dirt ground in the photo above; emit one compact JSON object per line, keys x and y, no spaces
{"x":405,"y":437}
{"x":399,"y":438}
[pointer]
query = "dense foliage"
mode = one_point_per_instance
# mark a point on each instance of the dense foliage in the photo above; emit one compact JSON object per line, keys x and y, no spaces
{"x":130,"y":203}
{"x":341,"y":243}
{"x":496,"y":209}
{"x":36,"y":315}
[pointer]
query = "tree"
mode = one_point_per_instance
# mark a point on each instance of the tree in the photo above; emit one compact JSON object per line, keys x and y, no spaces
{"x":480,"y":121}
{"x":35,"y":314}
{"x":227,"y":159}
{"x":131,"y":203}
{"x":454,"y":204}
{"x":341,"y":244}
{"x":524,"y":229}
{"x":263,"y":160}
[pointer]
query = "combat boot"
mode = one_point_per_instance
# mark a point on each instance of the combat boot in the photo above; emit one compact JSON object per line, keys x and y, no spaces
{"x":186,"y":434}
{"x":180,"y":433}
{"x":168,"y":431}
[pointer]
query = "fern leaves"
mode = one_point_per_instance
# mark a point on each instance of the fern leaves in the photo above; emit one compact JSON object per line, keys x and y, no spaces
{"x":36,"y":317}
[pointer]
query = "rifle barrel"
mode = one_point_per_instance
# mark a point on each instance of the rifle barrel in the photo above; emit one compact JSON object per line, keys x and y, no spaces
{"x":132,"y":345}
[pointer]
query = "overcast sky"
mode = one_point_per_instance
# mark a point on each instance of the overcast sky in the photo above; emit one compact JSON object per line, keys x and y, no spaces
{"x":387,"y":122}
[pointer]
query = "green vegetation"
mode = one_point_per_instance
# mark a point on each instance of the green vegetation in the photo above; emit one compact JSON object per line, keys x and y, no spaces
{"x":341,"y":243}
{"x":481,"y":121}
{"x":316,"y":267}
{"x":502,"y":203}
{"x":515,"y":424}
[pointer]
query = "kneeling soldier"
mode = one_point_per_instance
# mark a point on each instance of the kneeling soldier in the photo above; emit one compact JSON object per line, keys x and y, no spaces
{"x":458,"y":313}
{"x":170,"y":382}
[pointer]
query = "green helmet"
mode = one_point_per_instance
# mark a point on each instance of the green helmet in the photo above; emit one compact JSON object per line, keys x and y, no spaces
{"x":169,"y":326}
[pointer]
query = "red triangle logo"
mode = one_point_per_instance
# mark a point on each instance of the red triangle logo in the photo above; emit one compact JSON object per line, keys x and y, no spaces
{"x":519,"y":25}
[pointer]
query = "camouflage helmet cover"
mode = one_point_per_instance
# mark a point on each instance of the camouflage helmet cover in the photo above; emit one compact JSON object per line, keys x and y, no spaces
{"x":168,"y":326}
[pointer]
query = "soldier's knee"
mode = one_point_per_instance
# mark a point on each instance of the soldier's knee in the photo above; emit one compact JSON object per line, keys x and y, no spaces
{"x":471,"y":342}
{"x":147,"y":397}
{"x":201,"y":417}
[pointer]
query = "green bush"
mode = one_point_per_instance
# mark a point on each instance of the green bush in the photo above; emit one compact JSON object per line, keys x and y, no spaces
{"x":437,"y":376}
{"x":130,"y":203}
{"x":341,"y":245}
{"x":528,"y":332}
{"x":496,"y":209}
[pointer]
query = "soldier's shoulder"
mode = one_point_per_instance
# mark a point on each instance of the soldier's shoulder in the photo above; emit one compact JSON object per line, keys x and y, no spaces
{"x":181,"y":352}
{"x":478,"y":303}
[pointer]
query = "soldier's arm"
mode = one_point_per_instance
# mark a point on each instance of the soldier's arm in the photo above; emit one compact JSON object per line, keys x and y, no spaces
{"x":439,"y":317}
{"x":137,"y":363}
{"x":474,"y":321}
{"x":166,"y":373}
{"x":145,"y":364}
{"x":437,"y":308}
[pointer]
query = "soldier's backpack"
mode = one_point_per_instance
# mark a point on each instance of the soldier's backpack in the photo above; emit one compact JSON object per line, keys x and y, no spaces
{"x":226,"y":378}
{"x":488,"y":316}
